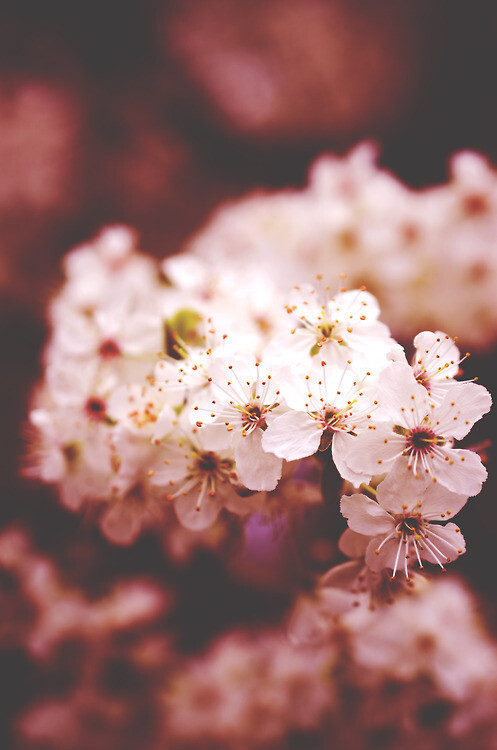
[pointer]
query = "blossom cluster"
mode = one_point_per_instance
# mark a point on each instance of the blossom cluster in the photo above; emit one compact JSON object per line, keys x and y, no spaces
{"x":398,"y":672}
{"x":125,"y":683}
{"x":219,"y":397}
{"x":428,"y":255}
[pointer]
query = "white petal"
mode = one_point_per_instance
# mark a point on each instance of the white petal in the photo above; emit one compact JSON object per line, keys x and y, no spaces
{"x":171,"y":467}
{"x":365,"y":515}
{"x":463,"y":405}
{"x":448,"y":541}
{"x":398,"y":392}
{"x":241,"y":505}
{"x":461,"y":471}
{"x":256,"y":469}
{"x":367,"y":453}
{"x":343,"y":576}
{"x":387,"y":553}
{"x":165,"y":423}
{"x":339,"y":448}
{"x":353,"y":544}
{"x":196,"y":517}
{"x":122,"y":522}
{"x":292,"y":435}
{"x":400,"y":488}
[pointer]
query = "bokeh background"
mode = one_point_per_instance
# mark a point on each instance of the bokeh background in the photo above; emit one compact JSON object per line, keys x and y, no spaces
{"x":151,"y":114}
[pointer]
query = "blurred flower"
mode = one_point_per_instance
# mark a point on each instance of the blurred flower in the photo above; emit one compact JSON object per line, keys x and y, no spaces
{"x":307,"y":69}
{"x":248,"y":691}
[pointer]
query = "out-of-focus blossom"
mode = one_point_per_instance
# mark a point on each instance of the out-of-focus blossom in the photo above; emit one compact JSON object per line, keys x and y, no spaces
{"x":427,"y":255}
{"x":307,"y":69}
{"x":436,"y":632}
{"x":40,"y":125}
{"x":248,"y":691}
{"x":429,"y":653}
{"x":109,"y":652}
{"x":63,"y":613}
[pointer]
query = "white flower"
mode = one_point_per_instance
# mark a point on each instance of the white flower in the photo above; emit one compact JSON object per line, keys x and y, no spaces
{"x":193,"y":343}
{"x":337,"y":327}
{"x":401,"y":522}
{"x":420,"y":434}
{"x":144,"y":430}
{"x":343,"y":588}
{"x":201,"y":481}
{"x":244,"y":397}
{"x":435,"y":363}
{"x":73,"y":452}
{"x":103,"y":273}
{"x":324,"y":404}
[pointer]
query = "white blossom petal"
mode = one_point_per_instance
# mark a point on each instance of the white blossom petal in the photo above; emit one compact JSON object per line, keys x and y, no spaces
{"x":461,"y":471}
{"x":292,"y":435}
{"x":365,"y":515}
{"x":400,"y":487}
{"x":256,"y":469}
{"x":463,"y":405}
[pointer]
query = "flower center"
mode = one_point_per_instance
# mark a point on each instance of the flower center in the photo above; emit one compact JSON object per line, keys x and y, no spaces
{"x":254,"y":416}
{"x":410,"y":525}
{"x":208,"y":463}
{"x":71,"y":453}
{"x":109,"y":349}
{"x":326,"y":329}
{"x":419,"y":440}
{"x":95,"y":408}
{"x":331,"y":419}
{"x":423,"y":441}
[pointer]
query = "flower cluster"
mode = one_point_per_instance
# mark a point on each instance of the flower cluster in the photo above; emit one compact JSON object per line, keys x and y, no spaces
{"x":428,"y":255}
{"x":126,"y":685}
{"x":156,"y":396}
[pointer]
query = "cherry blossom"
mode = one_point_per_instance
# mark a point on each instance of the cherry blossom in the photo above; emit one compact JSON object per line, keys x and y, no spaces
{"x":336,"y":327}
{"x":420,"y":434}
{"x":201,"y":481}
{"x":244,"y":397}
{"x":401,"y":522}
{"x":436,"y":362}
{"x":323,"y":405}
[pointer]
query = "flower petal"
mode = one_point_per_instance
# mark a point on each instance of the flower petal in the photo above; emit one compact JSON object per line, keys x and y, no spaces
{"x":365,"y":515}
{"x":367,"y":453}
{"x":194,"y":516}
{"x":443,"y":544}
{"x":382,"y":554}
{"x":292,"y":435}
{"x":398,"y":388}
{"x":463,"y":405}
{"x":461,"y":471}
{"x":256,"y":469}
{"x":353,"y":544}
{"x":400,"y":488}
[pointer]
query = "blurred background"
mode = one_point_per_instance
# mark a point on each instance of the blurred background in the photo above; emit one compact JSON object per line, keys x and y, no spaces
{"x":151,"y":114}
